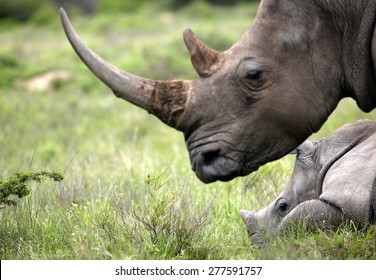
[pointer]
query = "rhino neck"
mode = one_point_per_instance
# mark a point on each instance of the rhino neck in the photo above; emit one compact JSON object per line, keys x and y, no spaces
{"x":354,"y":24}
{"x":362,"y":72}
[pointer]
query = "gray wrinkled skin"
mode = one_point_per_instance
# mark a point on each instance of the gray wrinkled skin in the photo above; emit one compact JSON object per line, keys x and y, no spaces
{"x":333,"y":182}
{"x":260,"y":99}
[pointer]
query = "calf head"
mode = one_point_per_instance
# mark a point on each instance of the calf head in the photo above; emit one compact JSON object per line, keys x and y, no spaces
{"x":302,"y":186}
{"x":319,"y":168}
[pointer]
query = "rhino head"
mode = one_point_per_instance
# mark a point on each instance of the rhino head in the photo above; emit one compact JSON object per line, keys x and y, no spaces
{"x":258,"y":100}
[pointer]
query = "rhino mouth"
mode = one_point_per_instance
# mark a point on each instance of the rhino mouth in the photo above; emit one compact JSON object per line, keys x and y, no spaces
{"x":213,"y":157}
{"x":213,"y":165}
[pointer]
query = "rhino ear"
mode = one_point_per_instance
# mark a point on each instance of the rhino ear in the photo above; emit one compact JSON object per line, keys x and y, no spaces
{"x":202,"y":57}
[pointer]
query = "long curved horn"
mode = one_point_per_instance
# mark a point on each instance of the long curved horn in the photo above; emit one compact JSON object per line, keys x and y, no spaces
{"x":164,"y":99}
{"x":202,"y":57}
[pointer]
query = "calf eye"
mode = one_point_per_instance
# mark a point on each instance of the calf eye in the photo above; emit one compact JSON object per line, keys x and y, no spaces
{"x":281,"y":207}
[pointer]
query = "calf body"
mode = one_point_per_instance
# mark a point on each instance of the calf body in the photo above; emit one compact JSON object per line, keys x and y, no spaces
{"x":333,"y":182}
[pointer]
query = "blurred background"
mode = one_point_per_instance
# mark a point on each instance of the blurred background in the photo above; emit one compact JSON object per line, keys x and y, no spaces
{"x":124,"y":169}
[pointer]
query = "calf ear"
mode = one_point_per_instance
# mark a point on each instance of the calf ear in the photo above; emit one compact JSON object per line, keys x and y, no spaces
{"x":307,"y":145}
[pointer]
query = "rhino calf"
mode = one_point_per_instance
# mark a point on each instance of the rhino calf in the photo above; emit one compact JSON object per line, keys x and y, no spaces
{"x":333,"y":182}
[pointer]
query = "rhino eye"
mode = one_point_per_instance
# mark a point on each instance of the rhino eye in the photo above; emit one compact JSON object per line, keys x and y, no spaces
{"x":254,"y":75}
{"x":250,"y":69}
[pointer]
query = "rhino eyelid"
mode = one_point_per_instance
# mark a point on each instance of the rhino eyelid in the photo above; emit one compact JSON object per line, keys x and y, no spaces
{"x":248,"y":58}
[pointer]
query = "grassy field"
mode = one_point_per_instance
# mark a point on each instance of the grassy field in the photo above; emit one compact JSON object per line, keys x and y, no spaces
{"x":129,"y":192}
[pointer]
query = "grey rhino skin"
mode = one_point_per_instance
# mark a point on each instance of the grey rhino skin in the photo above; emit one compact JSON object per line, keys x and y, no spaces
{"x":261,"y":98}
{"x":333,"y":182}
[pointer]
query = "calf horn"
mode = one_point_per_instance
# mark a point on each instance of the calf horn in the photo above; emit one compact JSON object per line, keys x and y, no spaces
{"x":164,"y":99}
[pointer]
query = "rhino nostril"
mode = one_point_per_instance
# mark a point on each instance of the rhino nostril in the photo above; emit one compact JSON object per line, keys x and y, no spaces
{"x":210,"y":157}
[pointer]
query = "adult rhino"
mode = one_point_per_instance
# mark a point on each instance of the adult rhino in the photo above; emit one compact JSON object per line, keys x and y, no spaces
{"x":264,"y":96}
{"x":333,"y":182}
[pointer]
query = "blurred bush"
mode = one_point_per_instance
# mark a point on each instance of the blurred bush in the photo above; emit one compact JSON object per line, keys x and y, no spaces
{"x":20,"y":9}
{"x":85,"y":6}
{"x":181,"y":3}
{"x":130,"y":5}
{"x":41,"y":10}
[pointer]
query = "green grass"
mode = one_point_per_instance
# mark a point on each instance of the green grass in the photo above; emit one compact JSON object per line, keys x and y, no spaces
{"x":129,"y":192}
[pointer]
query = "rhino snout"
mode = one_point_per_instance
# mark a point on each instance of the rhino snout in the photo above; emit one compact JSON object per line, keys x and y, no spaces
{"x":253,"y":227}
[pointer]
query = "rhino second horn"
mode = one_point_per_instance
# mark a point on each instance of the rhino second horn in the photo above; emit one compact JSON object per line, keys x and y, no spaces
{"x":203,"y":58}
{"x":164,"y":99}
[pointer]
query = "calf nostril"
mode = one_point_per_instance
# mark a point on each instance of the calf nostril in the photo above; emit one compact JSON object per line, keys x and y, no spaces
{"x":210,"y":157}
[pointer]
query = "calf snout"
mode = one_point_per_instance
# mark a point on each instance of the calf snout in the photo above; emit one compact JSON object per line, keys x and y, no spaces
{"x":253,"y":227}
